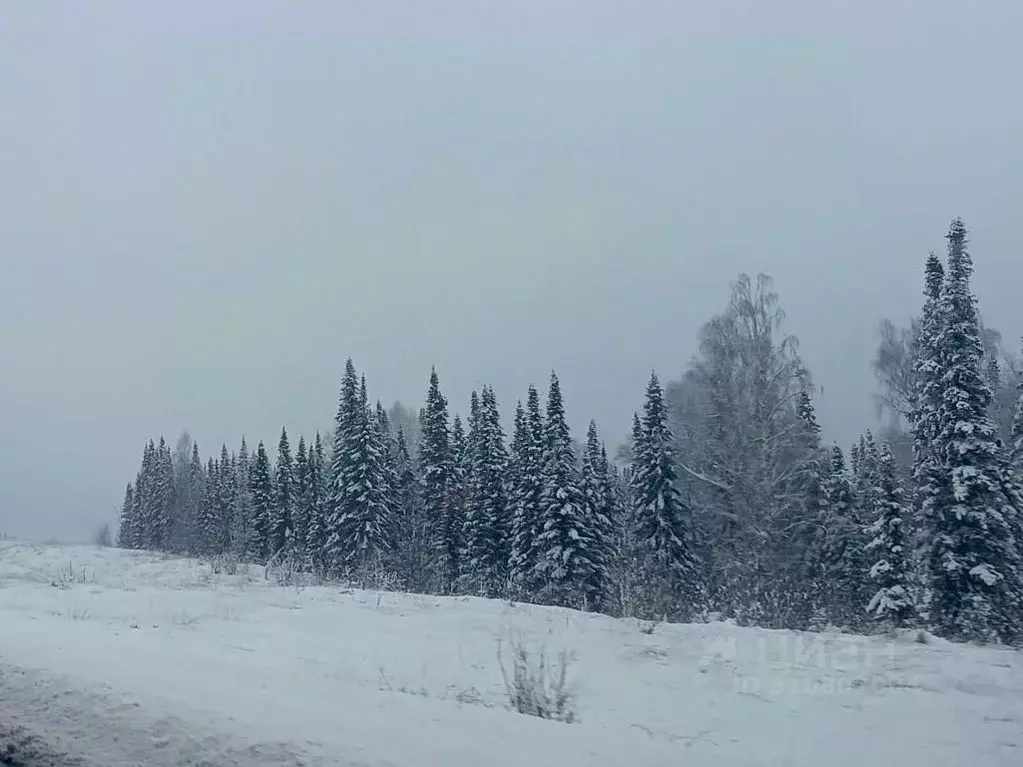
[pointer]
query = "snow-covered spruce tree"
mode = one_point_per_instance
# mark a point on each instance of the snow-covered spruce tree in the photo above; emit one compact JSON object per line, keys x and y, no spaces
{"x":856,"y":456}
{"x":929,"y":479}
{"x":808,"y":485}
{"x":527,"y":522}
{"x":487,"y":524}
{"x":144,"y":491}
{"x":195,"y":487}
{"x":972,"y":554}
{"x":616,"y":515}
{"x":412,"y":545}
{"x":284,"y":498}
{"x":630,"y":585}
{"x":468,"y":472}
{"x":182,"y":516}
{"x":663,"y":522}
{"x":843,"y":564}
{"x":1016,"y":447}
{"x":225,"y":499}
{"x":337,"y":549}
{"x":565,"y":546}
{"x":316,"y":533}
{"x":262,"y":488}
{"x":127,"y":524}
{"x":597,"y":511}
{"x":865,"y":480}
{"x":892,"y":602}
{"x":457,"y":497}
{"x":364,"y":526}
{"x":435,"y":464}
{"x":864,"y":472}
{"x":388,"y":465}
{"x":242,"y":523}
{"x":304,"y":500}
{"x":513,"y":478}
{"x":208,"y":527}
{"x":146,"y":498}
{"x":162,"y":510}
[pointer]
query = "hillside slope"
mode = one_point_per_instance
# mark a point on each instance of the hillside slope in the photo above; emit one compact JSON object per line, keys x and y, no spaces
{"x":185,"y":664}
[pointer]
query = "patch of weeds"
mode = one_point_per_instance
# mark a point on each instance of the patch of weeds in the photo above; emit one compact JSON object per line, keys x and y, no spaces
{"x":183,"y":618}
{"x":648,"y":627}
{"x":468,"y":696}
{"x":69,"y":575}
{"x":223,"y":564}
{"x":536,"y":686}
{"x":653,"y":653}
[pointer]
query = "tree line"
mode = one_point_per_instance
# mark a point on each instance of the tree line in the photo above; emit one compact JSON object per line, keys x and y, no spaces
{"x":723,"y":503}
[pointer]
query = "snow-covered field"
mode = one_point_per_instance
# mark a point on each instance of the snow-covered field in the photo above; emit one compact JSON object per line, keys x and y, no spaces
{"x":132,"y":658}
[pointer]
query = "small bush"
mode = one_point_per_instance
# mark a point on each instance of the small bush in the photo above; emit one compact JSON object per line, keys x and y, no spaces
{"x":648,"y":627}
{"x":69,"y":574}
{"x":77,"y":614}
{"x":103,"y":537}
{"x":537,"y":687}
{"x":224,"y":564}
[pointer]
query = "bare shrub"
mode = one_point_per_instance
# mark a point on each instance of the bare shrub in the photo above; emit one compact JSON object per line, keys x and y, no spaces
{"x":104,"y":536}
{"x":537,"y":687}
{"x":224,"y":564}
{"x":286,"y":569}
{"x":648,"y":627}
{"x":69,"y":574}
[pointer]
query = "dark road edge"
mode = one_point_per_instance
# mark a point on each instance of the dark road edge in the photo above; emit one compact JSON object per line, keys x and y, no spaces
{"x":21,"y":748}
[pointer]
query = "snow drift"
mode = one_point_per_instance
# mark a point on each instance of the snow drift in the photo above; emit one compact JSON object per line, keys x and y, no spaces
{"x":170,"y":660}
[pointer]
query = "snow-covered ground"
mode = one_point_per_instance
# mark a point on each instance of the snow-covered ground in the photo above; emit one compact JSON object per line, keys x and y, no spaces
{"x":163,"y":660}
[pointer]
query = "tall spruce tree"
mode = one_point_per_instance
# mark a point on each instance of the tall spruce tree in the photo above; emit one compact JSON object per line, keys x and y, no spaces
{"x":663,"y":523}
{"x":388,"y":466}
{"x":527,"y":520}
{"x":195,"y":488}
{"x":242,"y":522}
{"x":316,"y":533}
{"x":147,"y":502}
{"x":337,"y":548}
{"x":596,"y":510}
{"x":617,"y":515}
{"x":262,"y":503}
{"x":126,"y":537}
{"x":486,"y":522}
{"x":412,"y":549}
{"x":162,"y":512}
{"x":284,"y":498}
{"x":843,"y":568}
{"x":436,"y":466}
{"x":304,"y":501}
{"x":973,"y":557}
{"x":930,"y":481}
{"x":893,"y":601}
{"x":208,"y":537}
{"x":363,"y":533}
{"x":1016,"y":447}
{"x":225,"y":500}
{"x":809,"y":488}
{"x":566,"y":541}
{"x":458,"y":497}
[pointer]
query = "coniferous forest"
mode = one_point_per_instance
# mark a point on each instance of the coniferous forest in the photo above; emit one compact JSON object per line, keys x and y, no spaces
{"x":724,"y":503}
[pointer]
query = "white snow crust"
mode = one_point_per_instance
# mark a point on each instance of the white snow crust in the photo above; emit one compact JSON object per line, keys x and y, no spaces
{"x":133,"y":658}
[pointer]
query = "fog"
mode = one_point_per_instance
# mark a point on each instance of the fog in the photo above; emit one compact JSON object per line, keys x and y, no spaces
{"x":206,"y":207}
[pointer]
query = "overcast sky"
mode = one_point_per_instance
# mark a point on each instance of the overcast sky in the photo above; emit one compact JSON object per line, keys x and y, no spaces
{"x":206,"y":207}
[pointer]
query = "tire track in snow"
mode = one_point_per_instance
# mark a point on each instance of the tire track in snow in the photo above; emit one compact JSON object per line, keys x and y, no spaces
{"x":51,"y":722}
{"x":20,"y":748}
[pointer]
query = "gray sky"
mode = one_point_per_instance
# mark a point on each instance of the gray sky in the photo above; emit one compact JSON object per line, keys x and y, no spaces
{"x":206,"y":207}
